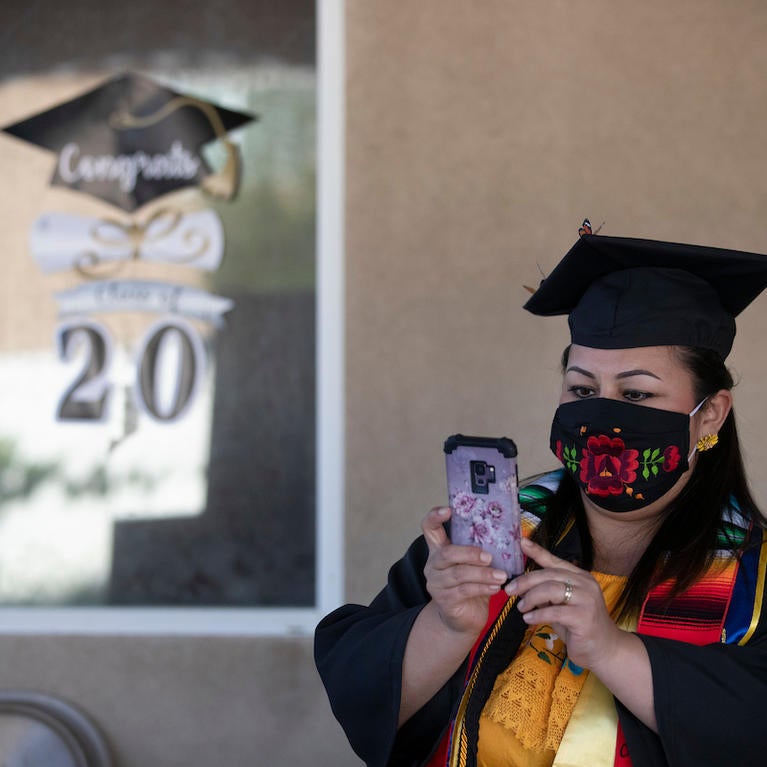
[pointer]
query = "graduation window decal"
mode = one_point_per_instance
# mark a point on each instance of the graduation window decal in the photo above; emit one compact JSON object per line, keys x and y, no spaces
{"x":130,"y":140}
{"x":157,"y":356}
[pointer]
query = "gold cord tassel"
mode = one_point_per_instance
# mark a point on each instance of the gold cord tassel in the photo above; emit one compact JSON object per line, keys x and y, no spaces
{"x":223,"y":184}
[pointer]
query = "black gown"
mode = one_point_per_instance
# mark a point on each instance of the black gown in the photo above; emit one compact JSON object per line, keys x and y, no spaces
{"x":710,"y":701}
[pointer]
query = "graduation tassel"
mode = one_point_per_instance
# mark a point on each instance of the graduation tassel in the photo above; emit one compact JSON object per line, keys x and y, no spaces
{"x":224,"y":183}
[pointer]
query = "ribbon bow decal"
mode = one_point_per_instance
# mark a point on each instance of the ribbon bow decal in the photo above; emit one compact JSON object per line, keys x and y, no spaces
{"x":99,"y":248}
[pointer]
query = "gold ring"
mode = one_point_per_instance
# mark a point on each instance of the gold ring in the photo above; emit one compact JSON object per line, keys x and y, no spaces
{"x":568,"y":593}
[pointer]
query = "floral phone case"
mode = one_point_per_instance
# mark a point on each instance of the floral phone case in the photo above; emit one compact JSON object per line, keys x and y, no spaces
{"x":483,"y":495}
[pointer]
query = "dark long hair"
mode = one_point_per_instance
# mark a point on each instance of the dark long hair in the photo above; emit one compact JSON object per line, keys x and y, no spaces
{"x":684,"y":544}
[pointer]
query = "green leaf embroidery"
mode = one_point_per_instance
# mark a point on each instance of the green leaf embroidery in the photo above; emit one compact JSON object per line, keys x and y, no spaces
{"x":646,"y":454}
{"x":654,"y":470}
{"x":646,"y":473}
{"x":543,"y":635}
{"x":542,"y":655}
{"x":569,"y":458}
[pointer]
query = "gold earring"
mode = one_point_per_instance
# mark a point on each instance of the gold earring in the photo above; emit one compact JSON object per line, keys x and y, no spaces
{"x":707,"y":442}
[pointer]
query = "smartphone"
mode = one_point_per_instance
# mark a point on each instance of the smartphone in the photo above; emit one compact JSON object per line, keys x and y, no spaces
{"x":482,"y":486}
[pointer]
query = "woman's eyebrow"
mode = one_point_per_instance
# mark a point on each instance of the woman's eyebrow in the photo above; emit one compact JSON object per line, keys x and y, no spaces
{"x":625,"y":374}
{"x":630,"y":373}
{"x":576,"y":369}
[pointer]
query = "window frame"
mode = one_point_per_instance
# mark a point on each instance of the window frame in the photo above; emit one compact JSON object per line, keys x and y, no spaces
{"x":329,"y":397}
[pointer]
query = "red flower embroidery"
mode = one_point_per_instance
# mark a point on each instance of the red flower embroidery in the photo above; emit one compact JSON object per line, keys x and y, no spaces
{"x":671,"y":458}
{"x":558,"y":451}
{"x":607,"y":465}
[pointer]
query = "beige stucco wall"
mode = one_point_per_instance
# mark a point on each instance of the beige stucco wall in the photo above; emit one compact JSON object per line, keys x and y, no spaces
{"x":187,"y":702}
{"x":478,"y":137}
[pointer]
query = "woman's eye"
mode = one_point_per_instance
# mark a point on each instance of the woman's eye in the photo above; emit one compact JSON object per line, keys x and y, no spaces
{"x":636,"y":396}
{"x":581,"y":392}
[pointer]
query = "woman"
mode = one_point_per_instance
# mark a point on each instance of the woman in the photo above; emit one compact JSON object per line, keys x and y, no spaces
{"x":637,"y":635}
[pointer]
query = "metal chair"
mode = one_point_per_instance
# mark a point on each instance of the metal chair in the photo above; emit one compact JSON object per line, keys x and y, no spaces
{"x":39,"y":730}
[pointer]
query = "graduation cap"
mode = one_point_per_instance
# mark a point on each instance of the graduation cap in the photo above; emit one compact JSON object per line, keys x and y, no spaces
{"x":131,"y":140}
{"x":623,"y":293}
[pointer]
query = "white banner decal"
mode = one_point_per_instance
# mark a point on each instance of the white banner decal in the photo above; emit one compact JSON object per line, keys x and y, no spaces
{"x":143,"y":296}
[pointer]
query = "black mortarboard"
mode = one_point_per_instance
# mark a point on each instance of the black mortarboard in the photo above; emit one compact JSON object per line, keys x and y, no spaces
{"x":622,"y":293}
{"x":154,"y":133}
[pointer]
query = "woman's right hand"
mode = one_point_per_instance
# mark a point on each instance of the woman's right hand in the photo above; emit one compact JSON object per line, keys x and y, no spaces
{"x":460,"y":583}
{"x":458,"y":578}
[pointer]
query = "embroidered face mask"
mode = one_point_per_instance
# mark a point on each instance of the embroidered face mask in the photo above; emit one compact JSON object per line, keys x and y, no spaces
{"x":624,"y":456}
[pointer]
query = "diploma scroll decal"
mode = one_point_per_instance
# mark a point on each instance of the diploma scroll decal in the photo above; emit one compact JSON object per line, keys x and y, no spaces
{"x":99,"y":248}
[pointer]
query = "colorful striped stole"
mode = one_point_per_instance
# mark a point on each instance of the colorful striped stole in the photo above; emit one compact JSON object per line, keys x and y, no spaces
{"x":695,"y":616}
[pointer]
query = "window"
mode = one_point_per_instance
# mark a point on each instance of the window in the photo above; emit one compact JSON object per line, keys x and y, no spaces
{"x":169,"y":351}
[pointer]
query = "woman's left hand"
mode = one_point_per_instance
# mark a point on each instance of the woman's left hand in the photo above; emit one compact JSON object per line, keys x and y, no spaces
{"x":576,"y":612}
{"x":582,"y":622}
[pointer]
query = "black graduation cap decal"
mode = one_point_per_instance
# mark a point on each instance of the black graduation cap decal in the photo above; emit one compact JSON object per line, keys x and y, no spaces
{"x":130,"y":140}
